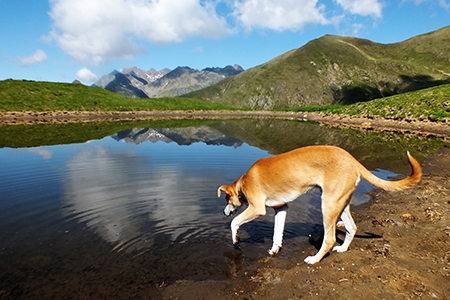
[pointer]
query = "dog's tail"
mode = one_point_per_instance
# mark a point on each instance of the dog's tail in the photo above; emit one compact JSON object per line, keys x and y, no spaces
{"x":414,"y":178}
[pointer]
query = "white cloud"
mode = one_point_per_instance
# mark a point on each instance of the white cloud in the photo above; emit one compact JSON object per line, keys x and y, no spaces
{"x":198,"y":49}
{"x":279,"y":14}
{"x":357,"y":28}
{"x":416,"y":2}
{"x":37,"y":57}
{"x":45,"y":153}
{"x":95,"y":31}
{"x":362,"y":7}
{"x":86,"y":75}
{"x":445,"y":4}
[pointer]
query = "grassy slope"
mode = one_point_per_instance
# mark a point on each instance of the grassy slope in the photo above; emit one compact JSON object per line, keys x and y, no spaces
{"x":432,"y":103}
{"x":427,"y":104}
{"x":17,"y":95}
{"x":334,"y":69}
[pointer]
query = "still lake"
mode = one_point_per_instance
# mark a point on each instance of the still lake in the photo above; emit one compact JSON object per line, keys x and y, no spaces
{"x":139,"y":208}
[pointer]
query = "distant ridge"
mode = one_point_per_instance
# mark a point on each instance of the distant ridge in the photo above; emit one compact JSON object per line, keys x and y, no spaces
{"x":337,"y":69}
{"x":137,"y":83}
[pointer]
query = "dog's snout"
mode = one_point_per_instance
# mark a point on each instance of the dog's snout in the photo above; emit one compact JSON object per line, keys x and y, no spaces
{"x":229,"y":210}
{"x":226,"y":212}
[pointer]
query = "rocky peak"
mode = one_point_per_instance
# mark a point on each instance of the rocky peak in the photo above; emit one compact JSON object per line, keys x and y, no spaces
{"x":135,"y":82}
{"x":227,"y":71}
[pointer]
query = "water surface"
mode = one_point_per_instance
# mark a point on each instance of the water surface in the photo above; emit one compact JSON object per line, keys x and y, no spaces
{"x":128,"y":212}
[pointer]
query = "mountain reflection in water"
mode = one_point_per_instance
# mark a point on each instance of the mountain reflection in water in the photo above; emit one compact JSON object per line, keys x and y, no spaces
{"x":181,"y":136}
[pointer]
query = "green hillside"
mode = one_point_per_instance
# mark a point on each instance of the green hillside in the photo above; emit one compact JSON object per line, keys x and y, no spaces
{"x":18,"y":95}
{"x":338,"y":70}
{"x":427,"y":104}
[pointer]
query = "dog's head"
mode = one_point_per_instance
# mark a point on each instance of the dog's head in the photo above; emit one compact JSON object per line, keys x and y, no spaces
{"x":234,"y":197}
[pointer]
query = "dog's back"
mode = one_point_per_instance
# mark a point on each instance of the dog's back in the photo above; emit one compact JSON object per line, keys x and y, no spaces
{"x":297,"y":171}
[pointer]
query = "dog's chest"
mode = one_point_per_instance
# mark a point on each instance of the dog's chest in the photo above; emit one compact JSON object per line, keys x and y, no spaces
{"x":282,"y":199}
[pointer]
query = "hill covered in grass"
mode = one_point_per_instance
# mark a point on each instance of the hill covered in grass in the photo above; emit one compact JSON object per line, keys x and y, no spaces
{"x":338,"y":70}
{"x":428,"y":104}
{"x":432,"y":104}
{"x":18,"y":95}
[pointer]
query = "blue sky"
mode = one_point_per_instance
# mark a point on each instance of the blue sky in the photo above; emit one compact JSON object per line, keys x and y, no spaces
{"x":64,"y":40}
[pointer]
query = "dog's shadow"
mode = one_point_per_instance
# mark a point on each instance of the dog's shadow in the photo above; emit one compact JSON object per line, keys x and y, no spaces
{"x":317,"y":234}
{"x":260,"y":231}
{"x":257,"y":232}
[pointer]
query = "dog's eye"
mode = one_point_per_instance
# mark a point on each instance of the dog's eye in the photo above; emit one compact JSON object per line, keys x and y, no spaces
{"x":242,"y":198}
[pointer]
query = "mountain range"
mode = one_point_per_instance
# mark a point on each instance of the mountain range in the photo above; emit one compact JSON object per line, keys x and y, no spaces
{"x":137,"y":83}
{"x":337,"y":70}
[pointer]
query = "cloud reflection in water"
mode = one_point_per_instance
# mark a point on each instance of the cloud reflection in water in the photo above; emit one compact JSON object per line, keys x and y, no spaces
{"x":129,"y":198}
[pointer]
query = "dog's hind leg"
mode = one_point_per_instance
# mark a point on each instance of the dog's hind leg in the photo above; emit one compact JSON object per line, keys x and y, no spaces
{"x":350,"y":228}
{"x":332,"y":206}
{"x":329,"y":224}
{"x":280,"y":220}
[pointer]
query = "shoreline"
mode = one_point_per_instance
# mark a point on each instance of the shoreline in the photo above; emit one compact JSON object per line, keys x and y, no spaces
{"x":376,"y":123}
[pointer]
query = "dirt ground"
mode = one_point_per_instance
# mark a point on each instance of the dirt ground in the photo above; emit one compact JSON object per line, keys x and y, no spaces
{"x":401,"y":251}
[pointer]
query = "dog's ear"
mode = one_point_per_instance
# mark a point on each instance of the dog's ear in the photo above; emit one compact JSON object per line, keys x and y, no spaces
{"x":221,"y":188}
{"x":228,"y":189}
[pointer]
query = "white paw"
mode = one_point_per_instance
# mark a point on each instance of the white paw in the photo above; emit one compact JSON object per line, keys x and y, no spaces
{"x":311,"y":260}
{"x":275,"y":249}
{"x":235,"y":239}
{"x":340,"y":248}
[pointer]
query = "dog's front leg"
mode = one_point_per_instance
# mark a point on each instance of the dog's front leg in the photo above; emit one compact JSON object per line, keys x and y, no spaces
{"x":234,"y":233}
{"x":280,"y":220}
{"x":246,"y":216}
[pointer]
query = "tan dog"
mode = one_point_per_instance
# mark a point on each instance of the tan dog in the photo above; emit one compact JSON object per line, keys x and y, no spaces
{"x":277,"y":180}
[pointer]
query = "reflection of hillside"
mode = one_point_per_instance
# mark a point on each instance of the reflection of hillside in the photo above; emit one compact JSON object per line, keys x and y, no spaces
{"x":181,"y":136}
{"x":281,"y":136}
{"x":276,"y":137}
